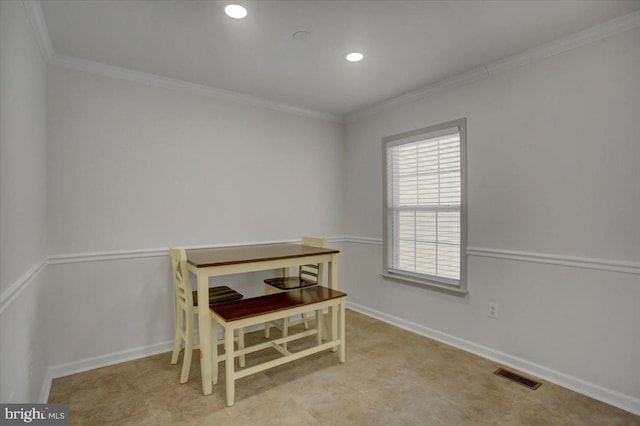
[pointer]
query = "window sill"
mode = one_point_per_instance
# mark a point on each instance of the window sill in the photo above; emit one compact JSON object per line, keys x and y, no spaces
{"x":423,"y":283}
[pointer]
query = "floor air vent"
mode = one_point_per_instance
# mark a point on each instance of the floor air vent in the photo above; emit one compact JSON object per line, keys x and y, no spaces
{"x":531,"y":384}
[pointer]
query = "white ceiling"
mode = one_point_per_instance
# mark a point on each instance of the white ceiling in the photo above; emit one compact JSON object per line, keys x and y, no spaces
{"x":407,"y":44}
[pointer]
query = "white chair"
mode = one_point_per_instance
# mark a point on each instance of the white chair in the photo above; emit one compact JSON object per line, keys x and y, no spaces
{"x":308,"y":275}
{"x":186,"y":310}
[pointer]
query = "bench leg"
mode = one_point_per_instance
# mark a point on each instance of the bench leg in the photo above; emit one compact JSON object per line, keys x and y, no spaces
{"x":241,"y":346}
{"x":285,"y":330}
{"x":319,"y":321}
{"x":333,"y":311}
{"x":229,"y":364}
{"x":326,"y":328}
{"x":214,"y":351}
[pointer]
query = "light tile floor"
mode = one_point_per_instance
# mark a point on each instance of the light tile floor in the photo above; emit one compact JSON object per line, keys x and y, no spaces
{"x":391,"y":377}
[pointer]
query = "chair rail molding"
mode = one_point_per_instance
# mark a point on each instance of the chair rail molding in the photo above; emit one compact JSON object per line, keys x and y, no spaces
{"x":14,"y":290}
{"x":609,"y":265}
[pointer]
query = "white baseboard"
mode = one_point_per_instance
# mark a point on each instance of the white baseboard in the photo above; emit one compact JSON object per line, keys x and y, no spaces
{"x":600,"y":393}
{"x":106,"y":360}
{"x":92,"y":363}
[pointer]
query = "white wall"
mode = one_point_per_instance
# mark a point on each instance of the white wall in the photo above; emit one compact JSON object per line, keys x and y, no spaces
{"x":551,"y":165}
{"x":135,"y":167}
{"x":23,"y":246}
{"x":553,"y":154}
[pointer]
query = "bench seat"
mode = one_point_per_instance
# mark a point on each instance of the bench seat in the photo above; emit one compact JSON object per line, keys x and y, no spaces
{"x":251,"y":311}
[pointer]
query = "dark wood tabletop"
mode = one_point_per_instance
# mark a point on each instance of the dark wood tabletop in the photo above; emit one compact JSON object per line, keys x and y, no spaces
{"x":253,"y":306}
{"x":219,"y":256}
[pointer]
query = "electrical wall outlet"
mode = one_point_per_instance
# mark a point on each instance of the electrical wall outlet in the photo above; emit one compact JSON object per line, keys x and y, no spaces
{"x":493,"y":310}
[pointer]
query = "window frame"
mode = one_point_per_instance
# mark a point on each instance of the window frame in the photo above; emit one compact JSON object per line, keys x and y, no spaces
{"x":411,"y":137}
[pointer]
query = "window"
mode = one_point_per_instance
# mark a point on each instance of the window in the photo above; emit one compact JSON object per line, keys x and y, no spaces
{"x":425,"y":206}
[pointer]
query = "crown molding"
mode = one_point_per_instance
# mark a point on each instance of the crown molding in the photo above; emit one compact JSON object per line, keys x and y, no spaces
{"x":111,"y":71}
{"x":574,"y":41}
{"x":36,"y":19}
{"x":440,"y":86}
{"x":590,"y":35}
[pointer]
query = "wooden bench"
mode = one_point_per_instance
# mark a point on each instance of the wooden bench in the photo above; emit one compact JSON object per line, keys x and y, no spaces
{"x":247,"y":312}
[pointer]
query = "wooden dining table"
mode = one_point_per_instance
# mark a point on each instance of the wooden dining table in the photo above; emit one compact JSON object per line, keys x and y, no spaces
{"x":213,"y":262}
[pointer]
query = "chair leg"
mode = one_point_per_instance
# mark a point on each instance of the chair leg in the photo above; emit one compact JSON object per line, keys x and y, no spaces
{"x":177,"y":342}
{"x":267,"y":330}
{"x":188,"y":349}
{"x":305,"y":319}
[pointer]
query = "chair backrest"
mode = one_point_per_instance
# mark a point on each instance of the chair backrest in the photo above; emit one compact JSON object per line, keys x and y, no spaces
{"x":313,"y":272}
{"x":181,"y":280}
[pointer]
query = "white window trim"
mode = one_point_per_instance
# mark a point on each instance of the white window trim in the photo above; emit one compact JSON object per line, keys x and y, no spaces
{"x":412,"y":136}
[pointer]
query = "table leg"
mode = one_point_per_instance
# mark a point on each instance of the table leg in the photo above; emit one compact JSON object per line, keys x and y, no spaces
{"x":341,"y":352}
{"x":333,"y":284}
{"x":204,"y":324}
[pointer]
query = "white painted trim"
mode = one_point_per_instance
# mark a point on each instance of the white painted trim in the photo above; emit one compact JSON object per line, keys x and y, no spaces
{"x":579,"y":39}
{"x":556,"y":259}
{"x":45,"y":389}
{"x":532,"y":257}
{"x":40,"y":30}
{"x":111,"y":71}
{"x":142,"y":253}
{"x":106,"y":255}
{"x":87,"y":364}
{"x":62,"y":370}
{"x":608,"y":265}
{"x":437,"y":87}
{"x":100,"y":361}
{"x":592,"y":390}
{"x":356,"y":240}
{"x":573,"y":41}
{"x":14,"y":290}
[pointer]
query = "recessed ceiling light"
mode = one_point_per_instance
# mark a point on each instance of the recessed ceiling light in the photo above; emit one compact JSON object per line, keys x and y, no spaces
{"x":235,"y":11}
{"x":354,"y":57}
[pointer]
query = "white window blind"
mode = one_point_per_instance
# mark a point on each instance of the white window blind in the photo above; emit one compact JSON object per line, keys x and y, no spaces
{"x":424,"y":203}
